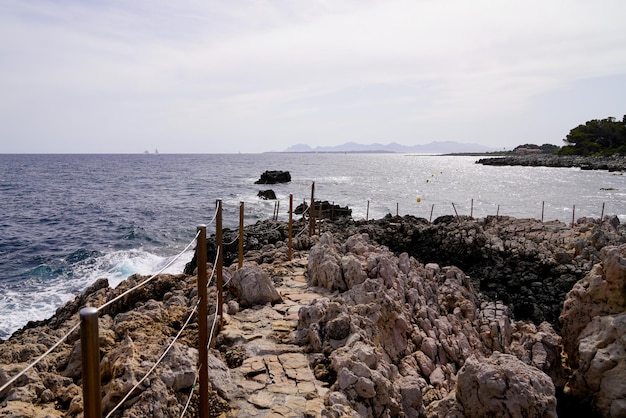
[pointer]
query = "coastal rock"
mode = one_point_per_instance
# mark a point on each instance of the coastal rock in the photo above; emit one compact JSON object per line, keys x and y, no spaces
{"x":503,"y":386}
{"x":252,"y":286}
{"x":324,"y":210}
{"x":594,"y":334}
{"x":600,"y":292}
{"x":273,"y":177}
{"x":267,"y":194}
{"x":387,"y":312}
{"x":611,"y":163}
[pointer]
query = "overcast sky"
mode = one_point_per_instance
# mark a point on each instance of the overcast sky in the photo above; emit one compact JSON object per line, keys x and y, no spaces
{"x":212,"y":76}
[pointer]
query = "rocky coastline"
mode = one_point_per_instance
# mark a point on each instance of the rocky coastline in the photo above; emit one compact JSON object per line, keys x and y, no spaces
{"x":393,"y":317}
{"x":612,"y":163}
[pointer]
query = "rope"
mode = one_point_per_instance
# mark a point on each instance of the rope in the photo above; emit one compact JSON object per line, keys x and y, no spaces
{"x":214,"y":216}
{"x":233,"y":241}
{"x":217,"y":254}
{"x":193,"y":311}
{"x":193,"y":387}
{"x":302,"y":231}
{"x":7,"y":384}
{"x":151,"y":277}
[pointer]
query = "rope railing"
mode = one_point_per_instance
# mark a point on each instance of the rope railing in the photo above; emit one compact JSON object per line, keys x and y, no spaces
{"x":169,"y":347}
{"x":75,"y":327}
{"x":149,"y":279}
{"x":193,"y":311}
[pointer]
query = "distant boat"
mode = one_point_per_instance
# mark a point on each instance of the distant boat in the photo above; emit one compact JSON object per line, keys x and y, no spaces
{"x":156,"y":151}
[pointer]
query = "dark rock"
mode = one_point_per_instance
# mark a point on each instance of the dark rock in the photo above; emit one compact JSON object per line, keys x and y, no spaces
{"x":267,"y":194}
{"x":328,"y":210}
{"x":273,"y":177}
{"x":612,"y":163}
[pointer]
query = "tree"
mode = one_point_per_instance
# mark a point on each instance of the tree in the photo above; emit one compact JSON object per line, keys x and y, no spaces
{"x":597,"y":137}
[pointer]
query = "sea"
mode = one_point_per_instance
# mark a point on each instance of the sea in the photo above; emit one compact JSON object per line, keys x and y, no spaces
{"x":67,"y":220}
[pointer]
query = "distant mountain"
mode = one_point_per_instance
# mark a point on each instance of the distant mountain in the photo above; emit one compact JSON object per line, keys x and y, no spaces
{"x":437,"y":147}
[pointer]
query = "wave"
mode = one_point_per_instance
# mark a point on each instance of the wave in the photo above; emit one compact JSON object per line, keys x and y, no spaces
{"x":38,"y":297}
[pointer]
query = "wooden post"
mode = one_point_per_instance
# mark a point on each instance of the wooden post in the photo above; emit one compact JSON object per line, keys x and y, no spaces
{"x":203,"y":327}
{"x":498,"y":212}
{"x":543,"y":204}
{"x":290,"y":239}
{"x":220,"y":261}
{"x":431,"y":213}
{"x":602,"y":214}
{"x":573,"y":214}
{"x":277,"y":210}
{"x":241,"y":226}
{"x":312,"y":211}
{"x":457,"y":213}
{"x":397,"y":209}
{"x":472,"y":209}
{"x":90,"y":351}
{"x":367,"y":212}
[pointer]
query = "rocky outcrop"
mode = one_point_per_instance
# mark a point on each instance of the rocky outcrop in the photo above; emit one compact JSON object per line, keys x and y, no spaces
{"x":612,"y":163}
{"x":503,"y":386}
{"x":527,"y":264}
{"x":324,"y":210}
{"x":267,"y":194}
{"x":132,"y":333}
{"x":273,"y":177}
{"x":397,"y":333}
{"x":594,"y":334}
{"x":352,"y":328}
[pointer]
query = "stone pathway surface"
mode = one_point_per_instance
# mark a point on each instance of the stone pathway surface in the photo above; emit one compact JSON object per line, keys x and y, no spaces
{"x":275,"y":379}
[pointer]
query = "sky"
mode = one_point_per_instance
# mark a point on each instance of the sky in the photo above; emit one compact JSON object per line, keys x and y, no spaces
{"x":208,"y":76}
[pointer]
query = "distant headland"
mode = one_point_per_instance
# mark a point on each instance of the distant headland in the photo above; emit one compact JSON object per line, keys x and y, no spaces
{"x":437,"y":147}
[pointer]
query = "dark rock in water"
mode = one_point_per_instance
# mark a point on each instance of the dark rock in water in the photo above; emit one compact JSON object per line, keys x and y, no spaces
{"x":611,"y":163}
{"x":267,"y":194}
{"x":329,"y":211}
{"x":273,"y":177}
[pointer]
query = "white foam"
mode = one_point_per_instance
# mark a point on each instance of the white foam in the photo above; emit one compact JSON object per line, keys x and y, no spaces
{"x":42,"y":299}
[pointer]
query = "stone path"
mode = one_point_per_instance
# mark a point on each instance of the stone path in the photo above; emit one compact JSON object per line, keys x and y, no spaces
{"x":275,"y":379}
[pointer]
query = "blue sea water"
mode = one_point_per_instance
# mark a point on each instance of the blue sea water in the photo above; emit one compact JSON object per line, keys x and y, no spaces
{"x":66,"y":220}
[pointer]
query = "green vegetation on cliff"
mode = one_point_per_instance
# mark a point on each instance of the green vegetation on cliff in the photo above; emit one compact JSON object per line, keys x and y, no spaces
{"x":597,"y":137}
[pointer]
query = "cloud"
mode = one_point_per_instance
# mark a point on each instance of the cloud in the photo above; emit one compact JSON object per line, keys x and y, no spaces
{"x":222,"y":76}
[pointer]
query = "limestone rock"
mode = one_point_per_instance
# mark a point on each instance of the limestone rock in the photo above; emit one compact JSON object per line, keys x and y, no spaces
{"x":600,"y":377}
{"x":601,"y":292}
{"x":252,"y":286}
{"x":503,"y":386}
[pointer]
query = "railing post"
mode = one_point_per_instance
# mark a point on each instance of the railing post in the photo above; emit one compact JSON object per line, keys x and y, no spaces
{"x":289,"y":247}
{"x":241,"y":212}
{"x":319,"y":221}
{"x":220,"y":262}
{"x":203,"y":327}
{"x":367,"y":212}
{"x":472,"y":209}
{"x":543,"y":205}
{"x":602,"y":214}
{"x":312,"y":211}
{"x":573,"y":214}
{"x":90,"y":350}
